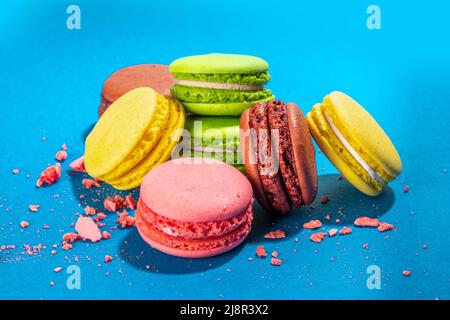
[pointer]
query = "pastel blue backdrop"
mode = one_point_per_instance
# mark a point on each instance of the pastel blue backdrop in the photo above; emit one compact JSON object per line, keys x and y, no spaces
{"x":51,"y":78}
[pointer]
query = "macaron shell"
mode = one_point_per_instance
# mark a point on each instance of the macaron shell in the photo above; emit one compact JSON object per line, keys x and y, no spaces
{"x":220,"y":109}
{"x":155,"y":76}
{"x":219,"y":63}
{"x":150,"y":235}
{"x":119,"y":133}
{"x":160,"y":153}
{"x":222,"y":192}
{"x":251,"y":168}
{"x":350,"y":175}
{"x":304,"y":153}
{"x":360,"y":129}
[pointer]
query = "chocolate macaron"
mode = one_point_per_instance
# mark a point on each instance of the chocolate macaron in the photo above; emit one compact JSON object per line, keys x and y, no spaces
{"x":279,"y":155}
{"x":155,"y":76}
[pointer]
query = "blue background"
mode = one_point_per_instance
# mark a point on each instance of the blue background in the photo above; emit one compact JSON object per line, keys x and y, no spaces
{"x":50,"y":82}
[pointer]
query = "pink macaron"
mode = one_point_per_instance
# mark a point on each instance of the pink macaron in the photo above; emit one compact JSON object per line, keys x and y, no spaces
{"x":194,"y":208}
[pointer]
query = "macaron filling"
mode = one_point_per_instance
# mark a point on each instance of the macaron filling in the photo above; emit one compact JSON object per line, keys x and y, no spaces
{"x":220,"y":85}
{"x":258,"y":78}
{"x":197,"y":230}
{"x":353,"y":152}
{"x":207,"y":95}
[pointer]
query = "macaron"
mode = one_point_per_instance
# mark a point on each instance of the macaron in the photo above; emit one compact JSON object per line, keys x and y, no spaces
{"x":155,"y":76}
{"x":354,"y":142}
{"x":213,"y":137}
{"x":279,"y":155}
{"x":220,"y":84}
{"x":135,"y":134}
{"x":194,"y":208}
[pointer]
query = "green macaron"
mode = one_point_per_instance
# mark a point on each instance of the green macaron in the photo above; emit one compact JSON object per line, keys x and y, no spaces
{"x":220,"y":84}
{"x":213,"y":137}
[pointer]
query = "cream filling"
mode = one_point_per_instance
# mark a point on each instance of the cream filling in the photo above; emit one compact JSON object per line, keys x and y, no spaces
{"x":219,"y":85}
{"x":352,"y":151}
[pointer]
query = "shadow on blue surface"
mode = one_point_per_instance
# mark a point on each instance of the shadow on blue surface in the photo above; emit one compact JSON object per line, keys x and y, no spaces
{"x":345,"y":203}
{"x":140,"y":255}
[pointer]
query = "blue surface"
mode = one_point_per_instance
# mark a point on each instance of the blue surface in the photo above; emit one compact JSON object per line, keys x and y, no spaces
{"x":51,"y":79}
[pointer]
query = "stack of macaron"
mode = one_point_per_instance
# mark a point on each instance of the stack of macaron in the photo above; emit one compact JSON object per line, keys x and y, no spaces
{"x":201,"y":205}
{"x":217,"y":88}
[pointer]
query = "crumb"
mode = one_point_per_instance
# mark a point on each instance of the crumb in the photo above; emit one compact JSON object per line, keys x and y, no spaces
{"x":57,"y":269}
{"x":34,"y":207}
{"x":366,"y":222}
{"x":275,"y":254}
{"x":324,"y":199}
{"x":89,"y":183}
{"x":109,"y":204}
{"x":406,"y":273}
{"x":365,"y":245}
{"x":276,"y":262}
{"x":108,"y":258}
{"x":130,"y":203}
{"x":331,"y":259}
{"x":406,"y":189}
{"x":277,"y":234}
{"x":87,"y":229}
{"x":106,"y":235}
{"x":52,"y":283}
{"x":49,"y":175}
{"x":384,"y":226}
{"x":125,"y":220}
{"x":61,"y":155}
{"x":345,"y":230}
{"x":70,"y":237}
{"x":15,"y":171}
{"x":318,"y":237}
{"x":327,"y":217}
{"x":425,"y":247}
{"x":332,"y":232}
{"x":313,"y":224}
{"x":250,"y":259}
{"x":78,"y":165}
{"x":89,"y":211}
{"x":24,"y":224}
{"x":261,"y":252}
{"x":66,"y":246}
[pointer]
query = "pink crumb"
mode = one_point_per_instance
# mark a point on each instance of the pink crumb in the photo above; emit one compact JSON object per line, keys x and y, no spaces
{"x":87,"y":229}
{"x":125,"y":220}
{"x":406,"y":189}
{"x":277,"y":234}
{"x":49,"y":175}
{"x":78,"y":165}
{"x":345,"y":231}
{"x":384,"y":226}
{"x":106,"y":235}
{"x":110,"y":204}
{"x":64,"y":147}
{"x":276,"y":262}
{"x":130,"y":203}
{"x":324,"y":199}
{"x":24,"y":224}
{"x":34,"y":207}
{"x":425,"y":247}
{"x":261,"y":252}
{"x":332,"y":232}
{"x":366,"y":222}
{"x":406,"y":273}
{"x":57,"y":269}
{"x":313,"y":224}
{"x":70,"y":237}
{"x":365,"y":245}
{"x":61,"y":155}
{"x":108,"y":258}
{"x":15,"y":171}
{"x":89,"y":183}
{"x":318,"y":237}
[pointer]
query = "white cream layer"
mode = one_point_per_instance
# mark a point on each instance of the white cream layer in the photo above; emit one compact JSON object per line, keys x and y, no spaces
{"x":352,"y":151}
{"x":219,"y":85}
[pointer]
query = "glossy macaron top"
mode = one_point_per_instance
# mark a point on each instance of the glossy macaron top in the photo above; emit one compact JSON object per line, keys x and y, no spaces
{"x":119,"y":131}
{"x":155,"y":76}
{"x":361,"y":130}
{"x":196,"y":190}
{"x":219,"y":63}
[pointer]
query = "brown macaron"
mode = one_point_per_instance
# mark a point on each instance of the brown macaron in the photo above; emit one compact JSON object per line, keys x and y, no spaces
{"x":155,"y":76}
{"x":279,"y":156}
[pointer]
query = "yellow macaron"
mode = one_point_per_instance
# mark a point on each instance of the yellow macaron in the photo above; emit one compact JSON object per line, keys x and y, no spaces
{"x":354,"y":142}
{"x":136,"y":133}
